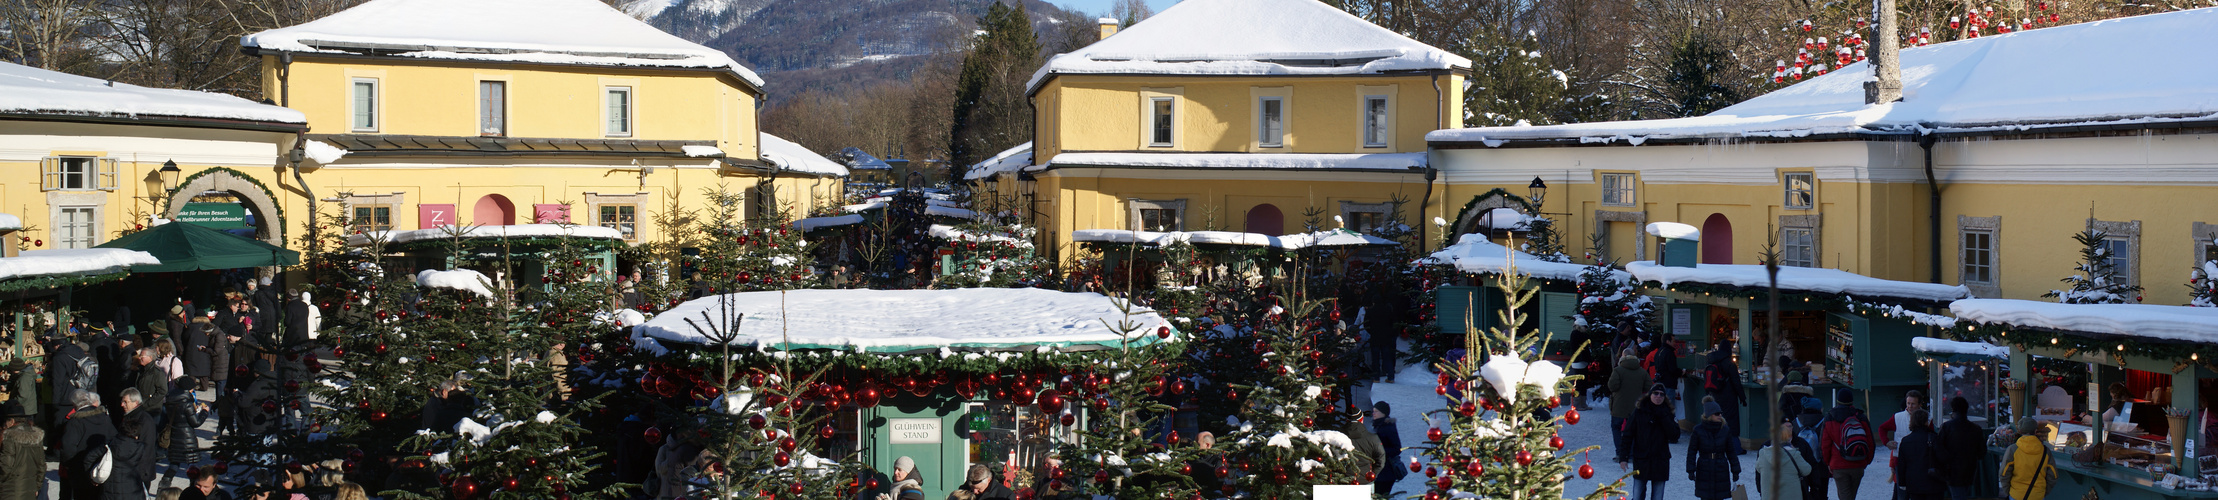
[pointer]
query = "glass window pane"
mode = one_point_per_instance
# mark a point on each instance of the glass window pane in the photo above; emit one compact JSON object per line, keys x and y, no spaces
{"x":365,"y":105}
{"x":1273,"y":124}
{"x":619,"y":111}
{"x":1374,"y":121}
{"x":492,"y":108}
{"x":1163,"y":122}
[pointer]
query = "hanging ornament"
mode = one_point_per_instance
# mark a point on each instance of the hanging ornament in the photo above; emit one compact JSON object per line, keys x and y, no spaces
{"x":1555,"y":441}
{"x":1571,"y":416}
{"x":1586,"y":470}
{"x":653,"y":435}
{"x":1524,"y":457}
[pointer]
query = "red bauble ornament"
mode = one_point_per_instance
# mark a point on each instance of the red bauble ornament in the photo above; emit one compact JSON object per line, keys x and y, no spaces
{"x":1443,"y":482}
{"x":782,"y":459}
{"x":1571,"y":416}
{"x":1475,"y":469}
{"x":1414,"y":466}
{"x":509,"y":484}
{"x":1101,"y":476}
{"x":1586,"y":471}
{"x":827,"y":432}
{"x":653,"y":435}
{"x":1554,"y":401}
{"x":465,"y":488}
{"x":269,"y":406}
{"x":377,"y":416}
{"x":1524,"y":457}
{"x":1163,"y":332}
{"x":1069,"y":419}
{"x":787,"y":444}
{"x":757,"y":422}
{"x":1555,"y":441}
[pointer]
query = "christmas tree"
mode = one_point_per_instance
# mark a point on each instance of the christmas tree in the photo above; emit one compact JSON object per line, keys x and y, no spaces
{"x":992,"y":255}
{"x":2097,"y":280}
{"x":1121,"y":451}
{"x":1611,"y":305}
{"x":1289,"y":440}
{"x":1495,"y":442}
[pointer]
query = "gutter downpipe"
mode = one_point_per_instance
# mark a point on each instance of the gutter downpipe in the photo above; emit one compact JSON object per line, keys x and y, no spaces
{"x":1440,"y":121}
{"x":1926,"y":140}
{"x":300,"y":140}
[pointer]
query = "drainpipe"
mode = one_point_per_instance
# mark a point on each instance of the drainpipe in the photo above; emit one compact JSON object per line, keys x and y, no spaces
{"x":300,"y":140}
{"x":1440,"y":121}
{"x":1933,"y":212}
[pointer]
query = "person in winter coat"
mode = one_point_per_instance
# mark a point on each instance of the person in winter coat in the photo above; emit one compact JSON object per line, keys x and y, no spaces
{"x":148,"y":378}
{"x":88,"y":429}
{"x":1652,"y":430}
{"x":1780,"y":467}
{"x":250,"y":416}
{"x":25,"y":386}
{"x":1368,"y":451}
{"x":1723,"y":381}
{"x":1917,"y":462}
{"x":147,"y":419}
{"x":1961,"y":446}
{"x":1626,"y":386}
{"x":1841,"y":433}
{"x":979,"y":485}
{"x":2027,"y":469}
{"x":22,"y":455}
{"x":199,"y":350}
{"x":1390,"y":437}
{"x":128,"y":450}
{"x":186,"y":414}
{"x":1710,"y":459}
{"x":1663,"y":367}
{"x":1813,"y":482}
{"x":71,"y":369}
{"x":204,"y":486}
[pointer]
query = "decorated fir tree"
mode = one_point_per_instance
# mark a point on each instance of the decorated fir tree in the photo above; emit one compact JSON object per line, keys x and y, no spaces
{"x":2097,"y":280}
{"x":991,"y":255}
{"x":737,"y":253}
{"x":1611,"y":305}
{"x":1122,"y":450}
{"x":2202,"y":283}
{"x":1290,"y":438}
{"x":754,"y":419}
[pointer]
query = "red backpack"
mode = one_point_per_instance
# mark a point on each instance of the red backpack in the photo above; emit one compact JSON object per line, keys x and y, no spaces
{"x":1855,"y":444}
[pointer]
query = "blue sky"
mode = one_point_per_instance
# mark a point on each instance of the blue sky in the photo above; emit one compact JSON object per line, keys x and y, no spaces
{"x":1099,"y":7}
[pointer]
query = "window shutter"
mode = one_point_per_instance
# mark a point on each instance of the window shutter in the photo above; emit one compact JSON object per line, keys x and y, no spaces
{"x":108,"y":174}
{"x":50,"y":173}
{"x":1556,"y":309}
{"x":1456,"y":301}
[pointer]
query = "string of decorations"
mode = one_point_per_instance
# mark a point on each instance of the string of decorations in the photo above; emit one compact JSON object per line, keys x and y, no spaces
{"x":49,"y":282}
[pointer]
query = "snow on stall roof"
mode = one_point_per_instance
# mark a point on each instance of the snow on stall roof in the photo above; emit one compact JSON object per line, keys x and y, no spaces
{"x":1107,"y":20}
{"x":1007,"y":161}
{"x":323,"y":152}
{"x":1945,"y":346}
{"x":1275,"y":37}
{"x":1674,"y":231}
{"x":510,"y":231}
{"x":9,"y":222}
{"x":2109,"y":71}
{"x":1503,"y":218}
{"x":908,"y":320}
{"x":1474,"y":253}
{"x":459,"y":279}
{"x":1375,"y":161}
{"x":793,"y":156}
{"x":947,"y":211}
{"x":814,"y":223}
{"x":953,"y":233}
{"x":35,"y":263}
{"x":1806,"y":279}
{"x":2179,"y":323}
{"x":1329,"y":238}
{"x":28,"y":90}
{"x":698,"y":151}
{"x":538,"y":31}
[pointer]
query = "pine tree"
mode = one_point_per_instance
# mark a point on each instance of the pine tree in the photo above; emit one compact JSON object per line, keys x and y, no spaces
{"x":1290,"y":439}
{"x":990,"y":111}
{"x":989,"y":254}
{"x":1611,"y":305}
{"x":1697,"y":83}
{"x":1121,"y":451}
{"x":1542,"y":240}
{"x":1494,"y":443}
{"x":2097,"y":279}
{"x":2202,"y":287}
{"x":1511,"y":82}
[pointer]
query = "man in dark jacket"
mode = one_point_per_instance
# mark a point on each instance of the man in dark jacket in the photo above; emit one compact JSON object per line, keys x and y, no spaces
{"x":86,"y":437}
{"x":1653,"y":427}
{"x":70,"y":369}
{"x":22,"y":455}
{"x":1723,"y":381}
{"x":199,"y":351}
{"x":1917,"y":462}
{"x":112,"y":352}
{"x":1663,"y":367}
{"x":131,"y":456}
{"x":982,"y":486}
{"x":1961,"y":445}
{"x":142,"y":423}
{"x":149,"y":378}
{"x":1383,"y":320}
{"x":1390,"y":438}
{"x":1627,"y":386}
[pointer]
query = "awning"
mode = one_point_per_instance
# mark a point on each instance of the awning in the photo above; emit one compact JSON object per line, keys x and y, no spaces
{"x":187,"y":247}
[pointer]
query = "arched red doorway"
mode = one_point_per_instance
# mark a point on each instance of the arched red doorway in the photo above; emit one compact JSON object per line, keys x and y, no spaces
{"x":1717,"y":240}
{"x":494,"y":210}
{"x":1266,"y":219}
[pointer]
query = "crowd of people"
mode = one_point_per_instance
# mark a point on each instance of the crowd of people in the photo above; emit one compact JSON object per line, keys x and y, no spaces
{"x":117,"y":406}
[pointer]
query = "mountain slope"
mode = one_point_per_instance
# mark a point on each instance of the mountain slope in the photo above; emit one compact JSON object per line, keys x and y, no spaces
{"x":773,"y":36}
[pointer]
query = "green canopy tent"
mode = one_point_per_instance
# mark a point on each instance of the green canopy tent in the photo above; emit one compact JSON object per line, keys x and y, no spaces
{"x":187,"y":247}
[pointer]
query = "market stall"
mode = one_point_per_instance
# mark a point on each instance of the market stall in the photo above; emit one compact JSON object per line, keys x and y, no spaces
{"x":963,"y":373}
{"x":36,"y":287}
{"x":1973,"y":371}
{"x":502,"y":252}
{"x":1478,"y":298}
{"x":2146,"y":433}
{"x":1233,"y":252}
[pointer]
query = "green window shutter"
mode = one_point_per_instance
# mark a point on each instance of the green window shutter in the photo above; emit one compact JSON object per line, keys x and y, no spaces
{"x":1556,"y":309}
{"x":1455,"y":302}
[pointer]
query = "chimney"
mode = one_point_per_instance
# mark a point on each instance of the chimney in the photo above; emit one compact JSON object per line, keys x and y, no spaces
{"x":1108,"y":27}
{"x":1886,"y":58}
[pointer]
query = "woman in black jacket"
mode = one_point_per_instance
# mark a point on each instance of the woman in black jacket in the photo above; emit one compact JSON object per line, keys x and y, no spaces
{"x":1917,"y":462}
{"x":1652,"y":430}
{"x":127,"y":452}
{"x":186,"y":413}
{"x":1711,"y":459}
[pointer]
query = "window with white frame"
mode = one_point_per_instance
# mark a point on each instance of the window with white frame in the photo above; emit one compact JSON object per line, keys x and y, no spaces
{"x":76,"y":227}
{"x":1617,"y":190}
{"x":1979,"y":256}
{"x":1270,"y":121}
{"x":492,"y":108}
{"x":618,"y":104}
{"x":1798,"y":247}
{"x":2122,"y":248}
{"x":1163,"y":121}
{"x":365,"y":104}
{"x":622,"y":218}
{"x":73,"y":173}
{"x":1158,"y":215}
{"x":1801,"y":190}
{"x":1378,"y":129}
{"x":1365,"y":217}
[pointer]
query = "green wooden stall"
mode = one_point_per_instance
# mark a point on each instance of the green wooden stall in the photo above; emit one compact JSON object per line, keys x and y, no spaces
{"x":455,"y":247}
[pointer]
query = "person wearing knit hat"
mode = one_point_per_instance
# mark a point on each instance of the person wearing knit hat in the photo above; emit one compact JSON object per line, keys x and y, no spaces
{"x":1649,"y":434}
{"x":2027,"y":469}
{"x":1712,"y":455}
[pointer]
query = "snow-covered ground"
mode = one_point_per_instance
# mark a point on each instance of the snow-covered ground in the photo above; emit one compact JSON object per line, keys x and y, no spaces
{"x":1412,"y":395}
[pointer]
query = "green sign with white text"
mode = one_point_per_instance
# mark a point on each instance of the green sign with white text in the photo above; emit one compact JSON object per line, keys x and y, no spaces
{"x":214,"y":215}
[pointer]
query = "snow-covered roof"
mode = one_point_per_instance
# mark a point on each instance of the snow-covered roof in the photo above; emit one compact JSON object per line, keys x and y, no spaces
{"x":952,"y":233}
{"x":1245,"y":161}
{"x":795,"y":157}
{"x":1474,"y":253}
{"x":814,"y":223}
{"x":2103,"y":72}
{"x":1674,"y":231}
{"x":35,"y":263}
{"x":1329,"y":238}
{"x":1945,"y":346}
{"x":861,"y":160}
{"x":2175,"y":323}
{"x":1503,"y":218}
{"x":1804,"y":279}
{"x":9,"y":222}
{"x":895,"y":321}
{"x":1006,"y":161}
{"x":510,"y":231}
{"x":585,"y":32}
{"x":1251,"y":37}
{"x":28,"y":90}
{"x":459,"y":279}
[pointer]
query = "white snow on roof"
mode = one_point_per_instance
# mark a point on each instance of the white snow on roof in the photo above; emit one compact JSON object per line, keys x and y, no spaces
{"x":1503,"y":218}
{"x":1805,"y":279}
{"x":1271,"y":37}
{"x":510,"y":231}
{"x":9,"y":222}
{"x":1674,"y":231}
{"x":24,"y":89}
{"x":35,"y":263}
{"x":1330,"y":238}
{"x":907,"y":320}
{"x":1474,"y":253}
{"x":698,"y":151}
{"x":795,"y":157}
{"x":2180,"y":323}
{"x":539,"y":31}
{"x":1007,"y":161}
{"x":947,"y":211}
{"x":323,"y":152}
{"x":459,"y":279}
{"x":1290,"y":161}
{"x":952,"y":233}
{"x":2110,"y":71}
{"x":814,"y":223}
{"x":1945,"y":346}
{"x":1108,"y":20}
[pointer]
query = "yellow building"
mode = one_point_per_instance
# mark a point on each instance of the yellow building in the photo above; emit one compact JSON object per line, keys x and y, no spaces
{"x":1240,"y":115}
{"x":424,"y":113}
{"x":2049,"y":130}
{"x":88,"y":159}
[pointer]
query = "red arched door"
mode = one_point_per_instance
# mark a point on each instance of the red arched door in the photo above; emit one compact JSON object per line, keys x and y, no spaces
{"x":494,"y":210}
{"x":1266,"y":219}
{"x":1717,"y":240}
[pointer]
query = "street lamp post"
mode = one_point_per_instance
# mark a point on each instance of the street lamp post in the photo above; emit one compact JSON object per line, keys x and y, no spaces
{"x":169,"y":174}
{"x":1536,"y":192}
